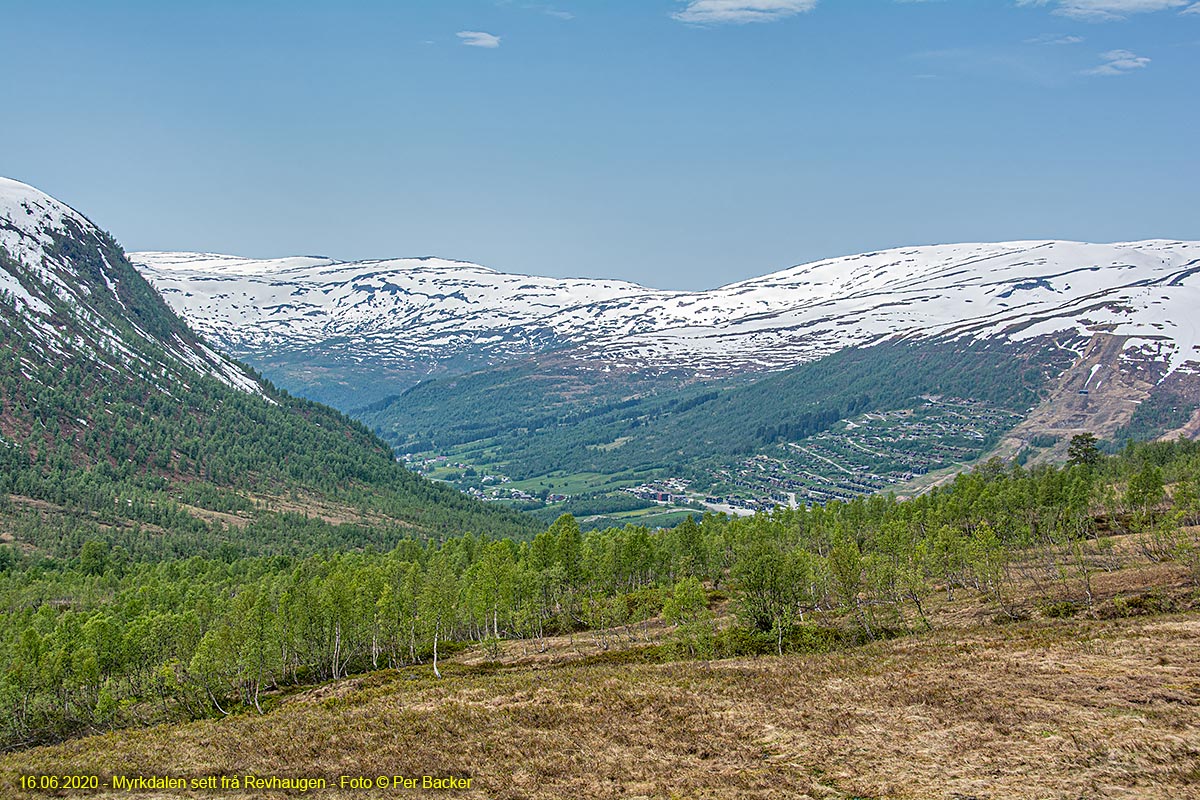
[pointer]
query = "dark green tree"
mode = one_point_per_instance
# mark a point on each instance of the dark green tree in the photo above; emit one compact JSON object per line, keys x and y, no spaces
{"x":1083,"y":450}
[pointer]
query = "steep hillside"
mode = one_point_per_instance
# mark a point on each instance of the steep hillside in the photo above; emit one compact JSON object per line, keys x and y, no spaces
{"x":112,"y":409}
{"x":67,"y":290}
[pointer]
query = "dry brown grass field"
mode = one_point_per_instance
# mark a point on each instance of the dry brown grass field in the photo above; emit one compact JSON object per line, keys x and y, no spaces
{"x":1095,"y":706}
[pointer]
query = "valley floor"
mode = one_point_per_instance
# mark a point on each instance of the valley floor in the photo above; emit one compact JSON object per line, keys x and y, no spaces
{"x":1076,"y":708}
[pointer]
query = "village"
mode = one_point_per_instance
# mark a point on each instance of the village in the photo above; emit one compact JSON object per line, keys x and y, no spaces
{"x":860,"y":456}
{"x":864,"y":455}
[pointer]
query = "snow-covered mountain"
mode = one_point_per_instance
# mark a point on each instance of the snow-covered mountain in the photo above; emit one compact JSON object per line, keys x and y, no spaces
{"x":112,"y":409}
{"x":426,"y":311}
{"x":67,"y":292}
{"x":399,"y":310}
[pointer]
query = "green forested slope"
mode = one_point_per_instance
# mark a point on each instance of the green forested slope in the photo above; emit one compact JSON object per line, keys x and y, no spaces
{"x":112,"y":412}
{"x":537,"y":424}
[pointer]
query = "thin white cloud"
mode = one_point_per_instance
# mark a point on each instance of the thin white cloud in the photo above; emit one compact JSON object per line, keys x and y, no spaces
{"x":1054,"y":38}
{"x":1106,"y":10}
{"x":1194,"y":8}
{"x":478,"y":39}
{"x":1007,"y":62}
{"x":541,"y":8}
{"x":1118,"y":62}
{"x":738,"y":12}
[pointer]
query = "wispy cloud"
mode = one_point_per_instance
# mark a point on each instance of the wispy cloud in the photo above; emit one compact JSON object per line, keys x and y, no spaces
{"x":478,"y":39}
{"x":1106,"y":10}
{"x":1118,"y":62}
{"x":738,"y":12}
{"x":542,"y":8}
{"x":1005,"y":62}
{"x":1054,"y":38}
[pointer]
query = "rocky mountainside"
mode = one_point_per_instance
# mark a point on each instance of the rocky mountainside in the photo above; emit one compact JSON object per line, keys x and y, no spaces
{"x":110,"y":405}
{"x":416,"y":317}
{"x":68,"y":291}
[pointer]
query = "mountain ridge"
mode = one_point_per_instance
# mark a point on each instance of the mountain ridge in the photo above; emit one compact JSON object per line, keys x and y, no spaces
{"x":405,"y":315}
{"x":64,"y":276}
{"x":586,"y":388}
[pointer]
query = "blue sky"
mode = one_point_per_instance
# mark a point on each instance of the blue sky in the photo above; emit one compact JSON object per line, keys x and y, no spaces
{"x":677,"y":144}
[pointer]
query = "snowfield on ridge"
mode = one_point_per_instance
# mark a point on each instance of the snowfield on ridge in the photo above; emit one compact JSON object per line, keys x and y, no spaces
{"x":422,"y":310}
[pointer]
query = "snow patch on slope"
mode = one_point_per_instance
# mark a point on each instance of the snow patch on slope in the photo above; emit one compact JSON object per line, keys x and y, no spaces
{"x":31,"y":223}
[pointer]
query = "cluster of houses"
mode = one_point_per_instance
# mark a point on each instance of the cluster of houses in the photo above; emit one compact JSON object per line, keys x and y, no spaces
{"x":427,"y":465}
{"x":671,"y":491}
{"x":863,"y":456}
{"x":520,"y":495}
{"x":751,"y":504}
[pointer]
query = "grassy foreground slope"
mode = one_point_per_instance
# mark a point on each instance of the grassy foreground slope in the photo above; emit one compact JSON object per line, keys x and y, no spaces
{"x":1013,"y":633}
{"x":1098,"y":705}
{"x":1031,"y":710}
